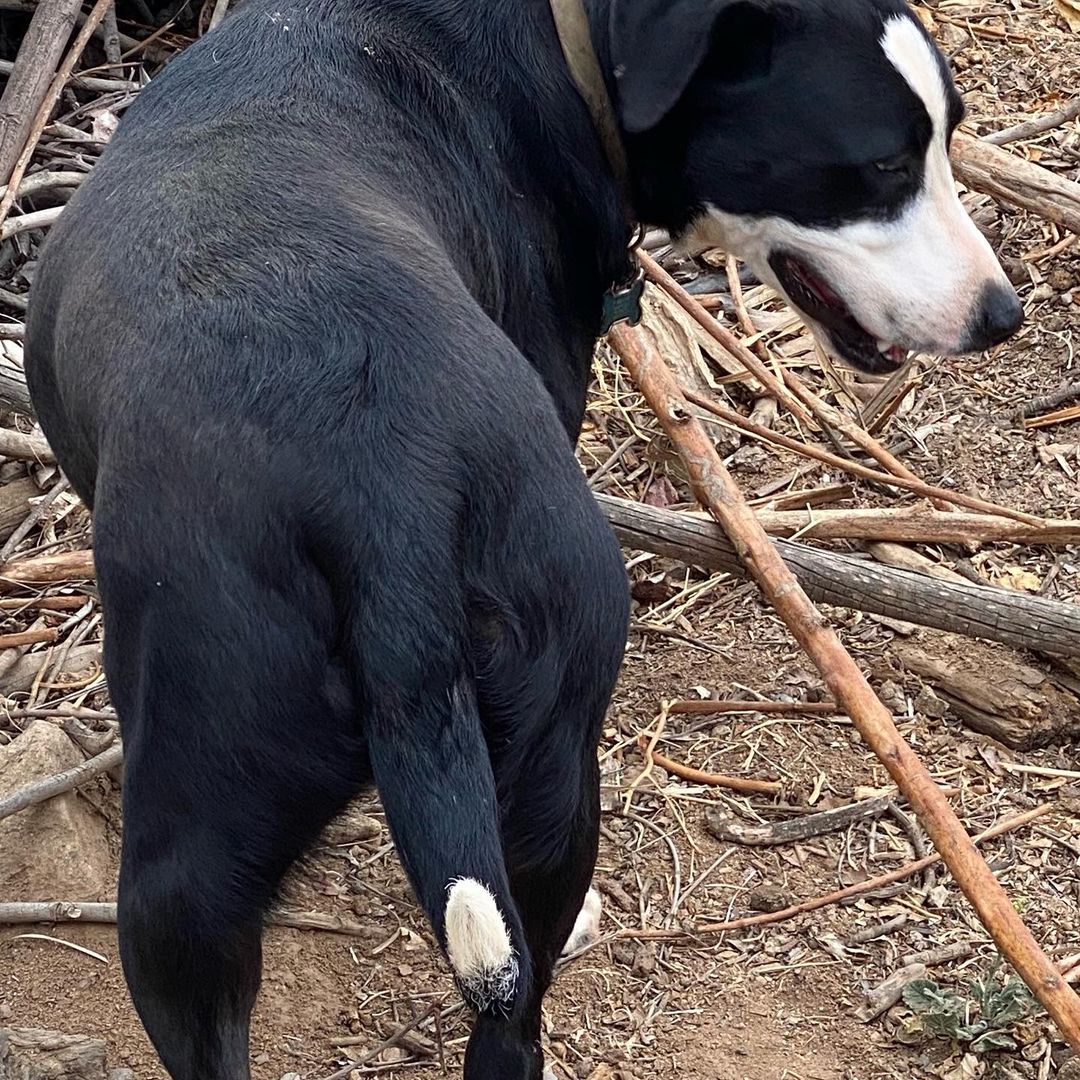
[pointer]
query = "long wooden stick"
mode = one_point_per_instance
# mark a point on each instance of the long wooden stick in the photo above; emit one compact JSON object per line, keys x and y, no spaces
{"x":915,"y":525}
{"x":958,"y":607}
{"x":20,"y":912}
{"x":716,"y":490}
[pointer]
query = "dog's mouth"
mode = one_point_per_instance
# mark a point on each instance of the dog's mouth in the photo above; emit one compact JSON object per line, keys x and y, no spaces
{"x":817,"y":300}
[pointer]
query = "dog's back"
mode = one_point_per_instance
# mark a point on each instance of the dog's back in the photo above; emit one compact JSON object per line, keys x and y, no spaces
{"x":339,"y":529}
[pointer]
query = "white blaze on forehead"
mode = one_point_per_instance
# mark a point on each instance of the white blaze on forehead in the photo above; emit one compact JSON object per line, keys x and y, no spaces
{"x":913,"y":56}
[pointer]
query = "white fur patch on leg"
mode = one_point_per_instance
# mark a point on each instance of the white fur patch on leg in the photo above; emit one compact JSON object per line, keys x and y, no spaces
{"x":587,"y":925}
{"x":478,"y":944}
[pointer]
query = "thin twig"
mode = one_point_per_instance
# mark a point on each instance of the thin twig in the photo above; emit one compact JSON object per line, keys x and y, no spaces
{"x":707,"y":708}
{"x":61,"y":782}
{"x":919,"y":487}
{"x":696,"y":776}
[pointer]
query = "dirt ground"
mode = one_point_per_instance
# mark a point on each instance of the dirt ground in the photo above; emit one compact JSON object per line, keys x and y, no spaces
{"x":781,"y":1001}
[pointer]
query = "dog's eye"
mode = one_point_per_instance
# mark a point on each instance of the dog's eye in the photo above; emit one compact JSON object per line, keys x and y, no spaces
{"x":894,"y":165}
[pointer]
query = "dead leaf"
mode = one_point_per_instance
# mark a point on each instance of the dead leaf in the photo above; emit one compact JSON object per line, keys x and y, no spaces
{"x":1069,"y":10}
{"x":661,"y":493}
{"x":1016,"y":577}
{"x":926,"y":17}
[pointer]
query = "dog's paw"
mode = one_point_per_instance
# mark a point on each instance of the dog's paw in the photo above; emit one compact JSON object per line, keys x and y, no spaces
{"x":587,"y":926}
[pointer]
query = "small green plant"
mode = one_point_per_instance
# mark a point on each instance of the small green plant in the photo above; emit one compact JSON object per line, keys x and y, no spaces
{"x":981,"y":1019}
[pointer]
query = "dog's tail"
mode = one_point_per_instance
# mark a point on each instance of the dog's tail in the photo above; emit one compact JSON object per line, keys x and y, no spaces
{"x":434,"y":775}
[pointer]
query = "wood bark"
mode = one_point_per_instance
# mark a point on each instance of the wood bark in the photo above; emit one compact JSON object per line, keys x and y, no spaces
{"x":19,"y":445}
{"x":989,"y":612}
{"x":1012,"y":702}
{"x":980,"y":166}
{"x":15,"y":504}
{"x":40,"y":52}
{"x":37,"y":1054}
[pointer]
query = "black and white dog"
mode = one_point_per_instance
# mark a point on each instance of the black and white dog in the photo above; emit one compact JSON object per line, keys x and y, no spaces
{"x":313,"y":342}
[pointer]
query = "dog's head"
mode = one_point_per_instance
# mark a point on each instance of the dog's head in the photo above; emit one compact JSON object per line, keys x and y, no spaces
{"x":810,"y":138}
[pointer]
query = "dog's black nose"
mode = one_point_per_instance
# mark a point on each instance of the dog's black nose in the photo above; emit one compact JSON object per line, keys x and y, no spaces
{"x":997,"y":318}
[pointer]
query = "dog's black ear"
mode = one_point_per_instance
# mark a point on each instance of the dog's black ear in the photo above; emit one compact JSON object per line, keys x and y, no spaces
{"x":657,"y":46}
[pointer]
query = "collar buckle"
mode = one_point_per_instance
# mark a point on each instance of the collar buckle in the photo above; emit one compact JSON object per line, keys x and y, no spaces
{"x":622,"y":302}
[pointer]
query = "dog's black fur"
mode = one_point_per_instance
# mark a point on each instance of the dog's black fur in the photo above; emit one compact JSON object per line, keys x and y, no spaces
{"x":313,"y":342}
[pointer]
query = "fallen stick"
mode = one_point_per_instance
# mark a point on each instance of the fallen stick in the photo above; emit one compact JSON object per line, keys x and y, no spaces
{"x":920,"y":487}
{"x":36,"y":219}
{"x":980,"y":166}
{"x":19,"y":913}
{"x":1061,"y":416}
{"x":715,"y":489}
{"x":16,"y":444}
{"x":41,"y":569}
{"x":696,"y":776}
{"x":29,"y":75}
{"x":49,"y":100}
{"x":708,"y":708}
{"x":983,"y":611}
{"x":901,"y":873}
{"x":915,"y":525}
{"x":793,"y":829}
{"x":43,"y":603}
{"x":28,"y":637}
{"x":1036,"y":126}
{"x":63,"y":782}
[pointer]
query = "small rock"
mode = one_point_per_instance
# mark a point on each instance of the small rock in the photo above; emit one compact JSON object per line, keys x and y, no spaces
{"x":57,"y":848}
{"x":769,"y":898}
{"x":929,"y":704}
{"x":1060,"y":280}
{"x":1070,"y":1070}
{"x":644,"y":962}
{"x":892,"y":697}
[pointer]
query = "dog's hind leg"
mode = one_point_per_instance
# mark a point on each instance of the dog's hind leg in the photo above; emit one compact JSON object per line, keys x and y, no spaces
{"x":544,"y":710}
{"x":434,"y":776}
{"x":241,"y":741}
